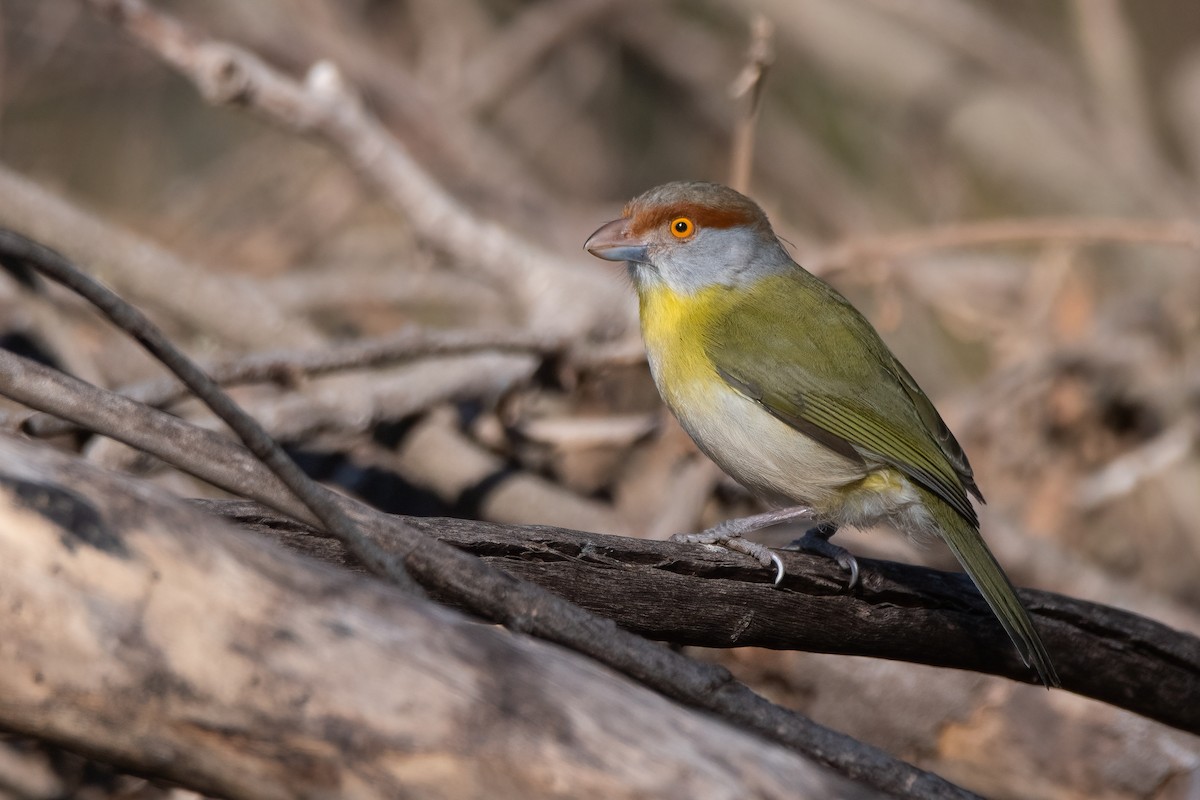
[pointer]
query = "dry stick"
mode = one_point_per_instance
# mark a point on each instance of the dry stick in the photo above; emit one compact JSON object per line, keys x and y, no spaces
{"x":555,"y":297}
{"x":420,"y":112}
{"x":1117,"y":91}
{"x":904,"y":612}
{"x":749,"y":84}
{"x":1005,"y":232}
{"x":337,"y":285}
{"x":523,"y":607}
{"x":205,"y":454}
{"x":288,"y":365}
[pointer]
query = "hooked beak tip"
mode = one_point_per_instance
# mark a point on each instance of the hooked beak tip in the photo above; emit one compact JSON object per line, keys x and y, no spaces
{"x":613,"y":243}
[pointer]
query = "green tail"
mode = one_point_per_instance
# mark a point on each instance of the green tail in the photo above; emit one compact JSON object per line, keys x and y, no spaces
{"x":973,"y":553}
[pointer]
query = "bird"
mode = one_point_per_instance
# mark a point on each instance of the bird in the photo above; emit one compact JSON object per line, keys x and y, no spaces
{"x":793,"y":393}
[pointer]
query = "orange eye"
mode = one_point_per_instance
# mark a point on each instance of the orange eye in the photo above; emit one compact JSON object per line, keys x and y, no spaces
{"x":682,"y":227}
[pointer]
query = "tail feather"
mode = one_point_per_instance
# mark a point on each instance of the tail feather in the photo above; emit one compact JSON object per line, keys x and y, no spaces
{"x":973,"y":553}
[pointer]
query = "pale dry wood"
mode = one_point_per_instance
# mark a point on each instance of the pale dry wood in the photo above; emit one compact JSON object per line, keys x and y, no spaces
{"x":181,"y":649}
{"x":412,"y":99}
{"x":643,"y":489}
{"x":357,"y":401}
{"x":432,"y":383}
{"x":679,"y":507}
{"x":1083,"y":231}
{"x":338,"y":286}
{"x":583,"y":432}
{"x":231,"y":308}
{"x":437,"y":456}
{"x":990,"y":734}
{"x":554,"y":296}
{"x":129,"y":320}
{"x":27,"y":775}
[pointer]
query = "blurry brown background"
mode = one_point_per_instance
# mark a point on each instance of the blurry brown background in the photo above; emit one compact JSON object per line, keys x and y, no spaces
{"x":893,"y":137}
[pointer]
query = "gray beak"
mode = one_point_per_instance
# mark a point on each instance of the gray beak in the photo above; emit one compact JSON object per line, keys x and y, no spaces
{"x":612,"y":242}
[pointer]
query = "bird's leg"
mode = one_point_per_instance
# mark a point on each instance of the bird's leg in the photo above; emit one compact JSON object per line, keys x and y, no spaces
{"x":729,"y":533}
{"x":816,"y":541}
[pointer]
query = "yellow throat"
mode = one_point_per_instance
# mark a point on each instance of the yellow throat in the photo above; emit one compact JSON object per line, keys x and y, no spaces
{"x":675,"y":328}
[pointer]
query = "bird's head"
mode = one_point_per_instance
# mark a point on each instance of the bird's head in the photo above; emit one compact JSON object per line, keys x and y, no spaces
{"x":690,"y":236}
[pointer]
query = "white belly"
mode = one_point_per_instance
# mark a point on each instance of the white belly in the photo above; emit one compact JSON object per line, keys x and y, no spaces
{"x":759,"y":451}
{"x":785,"y":467}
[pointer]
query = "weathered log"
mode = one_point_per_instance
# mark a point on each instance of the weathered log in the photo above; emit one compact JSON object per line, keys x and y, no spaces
{"x":144,"y":633}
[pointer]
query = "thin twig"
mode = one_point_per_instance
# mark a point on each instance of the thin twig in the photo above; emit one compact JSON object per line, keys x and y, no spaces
{"x":749,"y":85}
{"x":290,"y":365}
{"x":1005,"y":232}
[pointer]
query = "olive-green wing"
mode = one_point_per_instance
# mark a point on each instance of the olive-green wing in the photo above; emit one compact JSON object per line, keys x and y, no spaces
{"x":937,"y":426}
{"x":798,"y":348}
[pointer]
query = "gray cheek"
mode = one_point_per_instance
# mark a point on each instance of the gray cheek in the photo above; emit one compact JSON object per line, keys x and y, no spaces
{"x":728,"y":257}
{"x":749,"y":256}
{"x":741,"y":251}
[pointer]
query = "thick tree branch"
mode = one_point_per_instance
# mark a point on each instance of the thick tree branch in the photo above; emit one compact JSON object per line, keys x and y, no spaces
{"x":695,"y":596}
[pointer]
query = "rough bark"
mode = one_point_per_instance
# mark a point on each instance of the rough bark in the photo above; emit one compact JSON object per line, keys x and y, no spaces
{"x":700,"y":596}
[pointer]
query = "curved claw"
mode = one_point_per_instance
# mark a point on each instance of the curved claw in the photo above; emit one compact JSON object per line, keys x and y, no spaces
{"x":816,"y":541}
{"x":853,"y":567}
{"x":779,"y":569}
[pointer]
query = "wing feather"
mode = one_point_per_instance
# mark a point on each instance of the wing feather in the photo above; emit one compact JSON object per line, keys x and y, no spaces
{"x":826,"y":372}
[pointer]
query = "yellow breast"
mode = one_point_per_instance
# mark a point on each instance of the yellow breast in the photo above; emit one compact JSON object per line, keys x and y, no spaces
{"x":758,"y":450}
{"x":675,"y":328}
